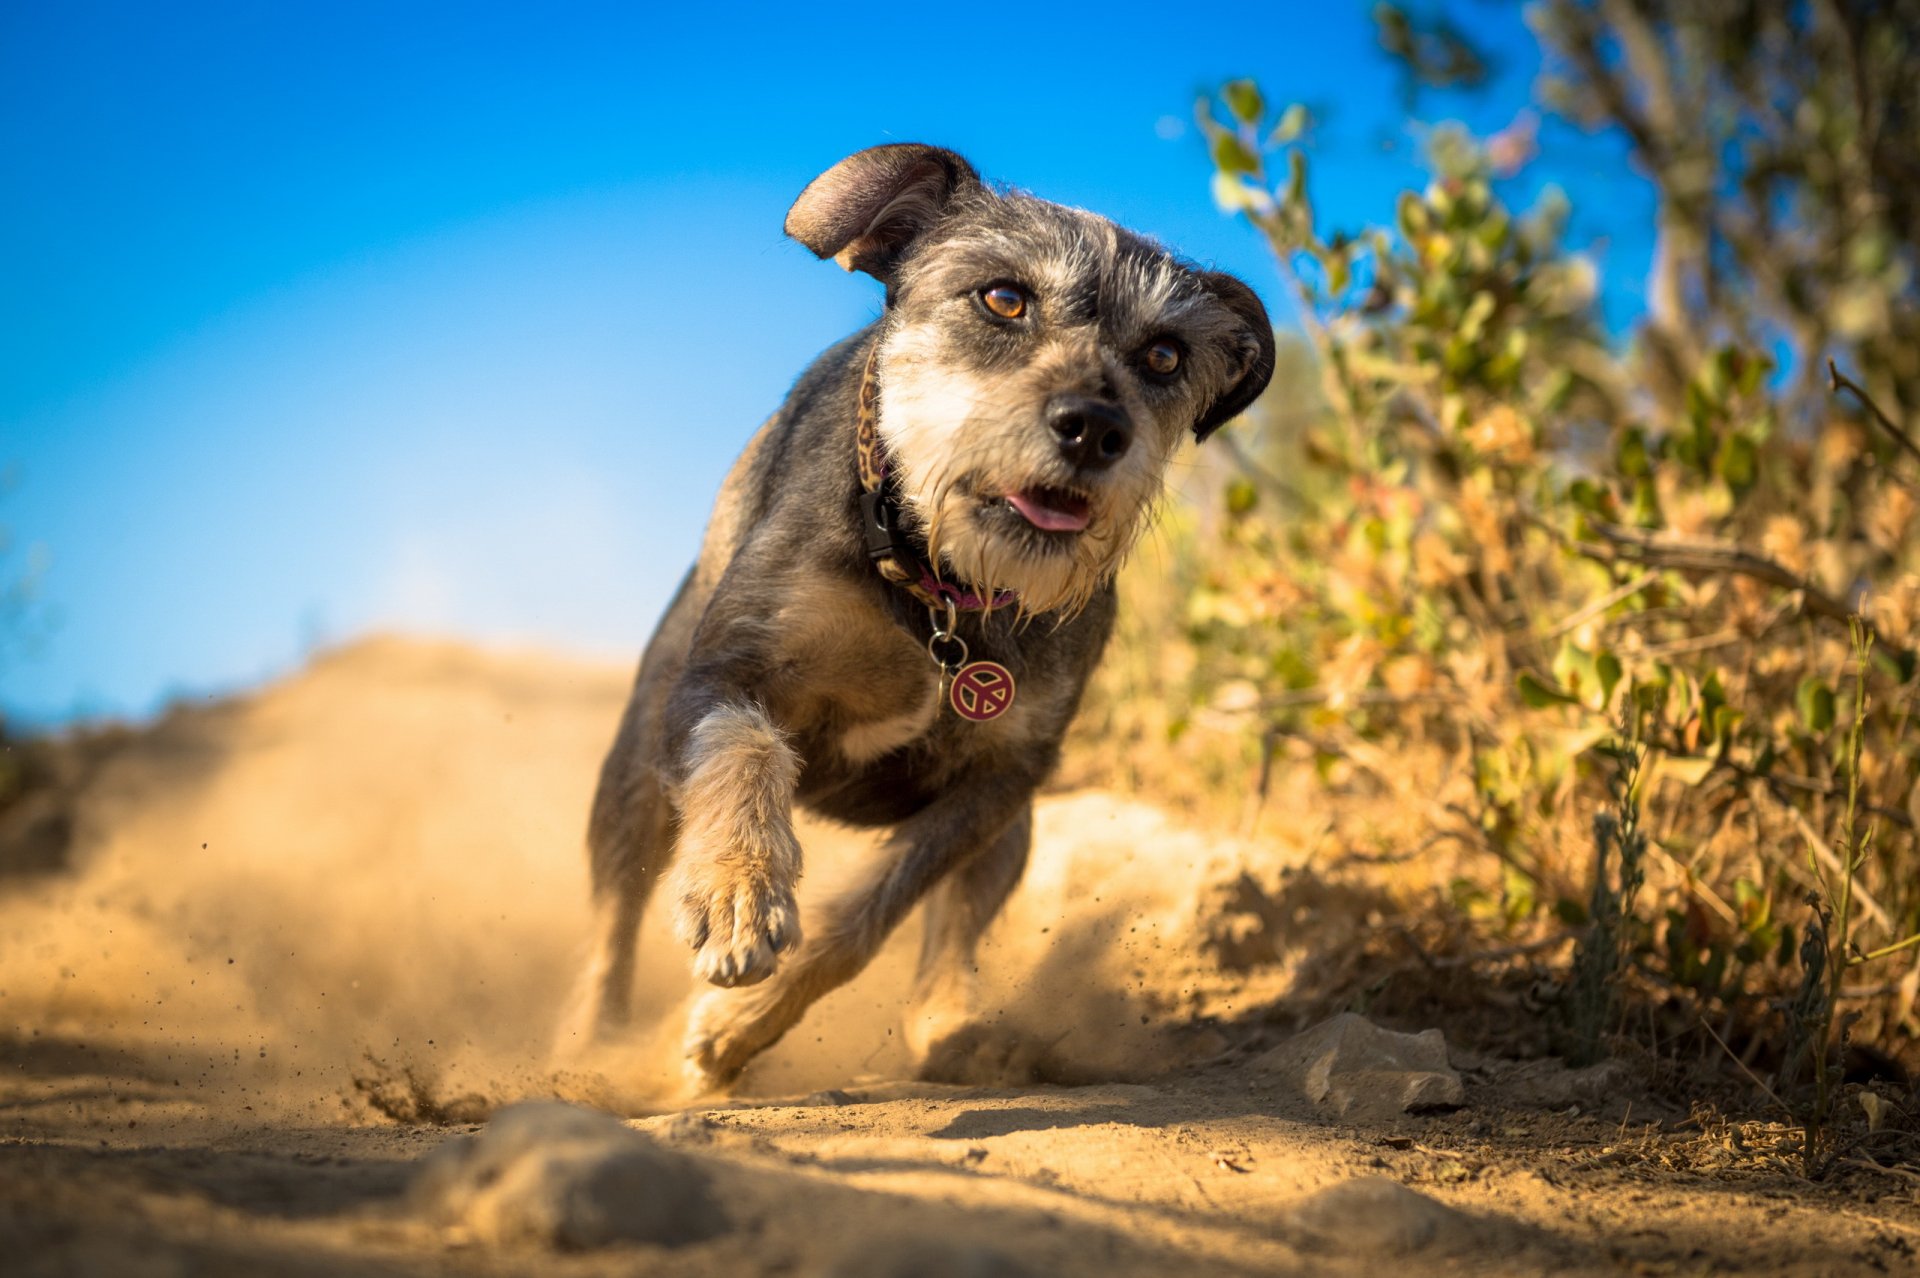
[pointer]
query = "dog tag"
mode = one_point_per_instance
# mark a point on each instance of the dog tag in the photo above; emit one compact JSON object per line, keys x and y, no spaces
{"x":981,"y":690}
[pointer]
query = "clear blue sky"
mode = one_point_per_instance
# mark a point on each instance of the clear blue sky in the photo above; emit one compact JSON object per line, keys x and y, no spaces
{"x":325,"y":318}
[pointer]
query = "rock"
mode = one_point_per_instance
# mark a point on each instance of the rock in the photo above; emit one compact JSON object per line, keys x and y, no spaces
{"x":1375,"y":1216}
{"x":1549,"y":1084}
{"x":1354,"y":1068}
{"x":908,"y":1257}
{"x":562,"y":1176}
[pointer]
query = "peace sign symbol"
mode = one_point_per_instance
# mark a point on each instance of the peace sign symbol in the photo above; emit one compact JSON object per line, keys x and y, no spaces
{"x":982,"y":690}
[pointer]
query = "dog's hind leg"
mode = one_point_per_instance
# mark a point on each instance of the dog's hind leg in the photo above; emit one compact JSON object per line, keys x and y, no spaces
{"x":727,"y":1029}
{"x":958,"y":912}
{"x":630,"y":843}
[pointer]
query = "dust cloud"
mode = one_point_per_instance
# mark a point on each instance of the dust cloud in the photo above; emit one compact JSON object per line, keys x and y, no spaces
{"x":364,"y":888}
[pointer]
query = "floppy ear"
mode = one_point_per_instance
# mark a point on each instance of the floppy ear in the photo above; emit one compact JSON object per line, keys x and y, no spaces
{"x":864,"y":211}
{"x":1256,"y":353}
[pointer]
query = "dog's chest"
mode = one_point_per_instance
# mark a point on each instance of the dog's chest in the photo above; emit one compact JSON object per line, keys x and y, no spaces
{"x":853,"y":684}
{"x":866,"y":740}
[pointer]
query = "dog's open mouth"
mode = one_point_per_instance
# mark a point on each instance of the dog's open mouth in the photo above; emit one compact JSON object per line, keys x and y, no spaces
{"x":1052,"y":509}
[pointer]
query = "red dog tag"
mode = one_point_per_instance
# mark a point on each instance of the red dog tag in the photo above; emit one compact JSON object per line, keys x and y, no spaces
{"x":982,"y":690}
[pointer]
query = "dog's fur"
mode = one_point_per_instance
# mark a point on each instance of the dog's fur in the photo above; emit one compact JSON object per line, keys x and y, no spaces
{"x":788,"y":671}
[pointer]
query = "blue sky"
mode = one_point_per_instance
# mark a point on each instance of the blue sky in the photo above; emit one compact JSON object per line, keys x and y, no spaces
{"x":320,"y":319}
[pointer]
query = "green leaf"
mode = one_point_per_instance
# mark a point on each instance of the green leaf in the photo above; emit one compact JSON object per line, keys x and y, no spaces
{"x":1244,"y":100}
{"x":1293,"y":122}
{"x":1570,"y":912}
{"x":1473,"y":320}
{"x":1232,"y":194}
{"x":1242,"y":497}
{"x":1739,"y":463}
{"x":1412,"y":216}
{"x":1646,"y":512}
{"x":1631,"y":456}
{"x":1559,"y":389}
{"x":1899,"y":666}
{"x":1814,"y":700}
{"x":1713,"y":693}
{"x":1688,"y":772}
{"x":1700,"y":407}
{"x":1339,"y":273}
{"x":1539,"y":694}
{"x":1606,"y":669}
{"x":1230,"y":154}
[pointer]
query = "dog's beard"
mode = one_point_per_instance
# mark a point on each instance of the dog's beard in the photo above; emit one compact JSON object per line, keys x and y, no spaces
{"x":955,"y":461}
{"x":1049,"y":572}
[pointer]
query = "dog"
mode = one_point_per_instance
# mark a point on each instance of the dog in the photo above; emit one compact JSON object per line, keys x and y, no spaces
{"x":904,"y":585}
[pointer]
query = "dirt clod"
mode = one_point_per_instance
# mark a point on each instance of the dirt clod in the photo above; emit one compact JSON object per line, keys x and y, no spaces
{"x":556,"y":1175}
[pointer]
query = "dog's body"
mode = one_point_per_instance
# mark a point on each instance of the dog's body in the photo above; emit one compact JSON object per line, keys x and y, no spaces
{"x":1022,"y":453}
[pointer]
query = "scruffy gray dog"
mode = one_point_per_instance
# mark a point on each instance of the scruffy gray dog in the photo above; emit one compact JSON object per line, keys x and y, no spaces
{"x":904,"y":585}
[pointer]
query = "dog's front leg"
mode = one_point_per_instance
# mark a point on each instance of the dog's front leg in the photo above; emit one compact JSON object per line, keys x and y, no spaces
{"x":737,"y":861}
{"x":726,"y":1030}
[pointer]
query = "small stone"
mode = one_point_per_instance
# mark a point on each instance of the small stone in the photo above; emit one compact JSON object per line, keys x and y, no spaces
{"x":558,"y":1175}
{"x":832,"y":1096}
{"x":1356,"y":1069}
{"x":1372,"y":1215}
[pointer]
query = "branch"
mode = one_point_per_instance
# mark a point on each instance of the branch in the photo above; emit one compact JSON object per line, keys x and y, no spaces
{"x":1705,"y":557}
{"x":1839,"y":381}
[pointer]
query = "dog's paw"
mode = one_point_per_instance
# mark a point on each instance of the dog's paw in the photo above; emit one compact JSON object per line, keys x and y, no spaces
{"x":719,"y":1040}
{"x":737,"y":926}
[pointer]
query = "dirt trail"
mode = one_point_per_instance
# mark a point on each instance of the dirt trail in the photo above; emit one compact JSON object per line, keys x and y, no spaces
{"x":359,"y":894}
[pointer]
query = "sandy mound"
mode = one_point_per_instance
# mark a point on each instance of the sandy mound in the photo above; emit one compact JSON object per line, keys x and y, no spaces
{"x":366,"y":885}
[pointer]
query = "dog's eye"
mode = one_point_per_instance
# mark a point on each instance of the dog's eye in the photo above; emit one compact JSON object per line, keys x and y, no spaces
{"x":1162,"y":359}
{"x":1004,"y":300}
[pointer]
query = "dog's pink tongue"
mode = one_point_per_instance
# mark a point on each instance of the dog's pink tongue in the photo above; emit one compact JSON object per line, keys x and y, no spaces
{"x":1051,"y":512}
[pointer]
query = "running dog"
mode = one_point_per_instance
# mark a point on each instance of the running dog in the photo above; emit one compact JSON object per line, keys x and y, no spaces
{"x":904,"y":585}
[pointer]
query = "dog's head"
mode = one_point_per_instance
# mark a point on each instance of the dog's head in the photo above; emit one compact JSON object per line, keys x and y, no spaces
{"x":1037,"y":368}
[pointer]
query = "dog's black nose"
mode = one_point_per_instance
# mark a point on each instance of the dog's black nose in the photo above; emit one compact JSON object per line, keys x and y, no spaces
{"x":1092,"y":433}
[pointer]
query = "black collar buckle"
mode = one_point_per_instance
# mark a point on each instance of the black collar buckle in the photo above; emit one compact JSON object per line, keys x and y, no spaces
{"x":880,"y":521}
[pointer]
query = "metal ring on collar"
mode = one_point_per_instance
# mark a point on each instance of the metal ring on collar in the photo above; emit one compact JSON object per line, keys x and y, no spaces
{"x":940,"y":637}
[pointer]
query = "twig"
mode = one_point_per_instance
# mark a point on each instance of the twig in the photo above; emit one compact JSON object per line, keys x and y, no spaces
{"x":1603,"y":603}
{"x":1867,"y":1164}
{"x":1707,"y":557}
{"x":1885,"y":950}
{"x":1778,"y":781}
{"x":1699,"y":643}
{"x":1831,"y":861}
{"x":1505,"y":952}
{"x":1757,"y":1080}
{"x":1699,"y":889}
{"x":1839,"y":381}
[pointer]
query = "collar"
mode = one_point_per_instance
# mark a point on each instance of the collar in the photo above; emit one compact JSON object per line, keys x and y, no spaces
{"x":894,"y":555}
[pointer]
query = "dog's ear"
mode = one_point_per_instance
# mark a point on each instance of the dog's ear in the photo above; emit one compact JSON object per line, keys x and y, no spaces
{"x":864,"y":211}
{"x":1256,"y":353}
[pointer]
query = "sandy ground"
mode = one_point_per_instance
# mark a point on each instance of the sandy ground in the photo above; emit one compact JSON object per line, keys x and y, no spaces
{"x":306,"y":936}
